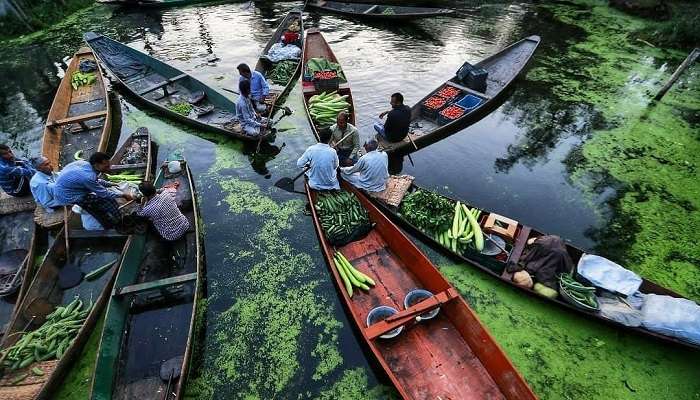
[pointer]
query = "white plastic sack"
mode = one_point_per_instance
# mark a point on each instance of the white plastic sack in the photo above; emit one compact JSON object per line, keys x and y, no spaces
{"x":672,"y":316}
{"x":607,"y":275}
{"x":279,"y":52}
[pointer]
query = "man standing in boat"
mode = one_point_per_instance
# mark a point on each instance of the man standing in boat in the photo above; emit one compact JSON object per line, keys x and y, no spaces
{"x":371,"y":171}
{"x":43,"y":182}
{"x":349,"y":148}
{"x":15,"y":173}
{"x":322,"y":162}
{"x":398,"y":120}
{"x":259,"y":89}
{"x":78,"y":184}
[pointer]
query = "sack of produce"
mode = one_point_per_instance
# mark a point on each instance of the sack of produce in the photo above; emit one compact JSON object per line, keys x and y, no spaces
{"x":608,"y":275}
{"x":522,"y":278}
{"x":679,"y":318}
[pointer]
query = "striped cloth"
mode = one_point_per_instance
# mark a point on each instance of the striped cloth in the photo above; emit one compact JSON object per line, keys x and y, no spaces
{"x":168,"y":220}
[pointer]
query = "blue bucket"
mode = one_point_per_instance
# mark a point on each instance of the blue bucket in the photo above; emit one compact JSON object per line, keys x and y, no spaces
{"x":470,"y":102}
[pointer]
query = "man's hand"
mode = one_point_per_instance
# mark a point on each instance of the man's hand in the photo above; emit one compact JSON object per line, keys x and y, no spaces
{"x":382,"y":115}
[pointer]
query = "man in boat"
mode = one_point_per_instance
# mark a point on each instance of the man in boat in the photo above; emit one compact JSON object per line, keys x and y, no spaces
{"x":42,"y":184}
{"x":259,"y":89}
{"x":251,"y":122}
{"x":161,"y":209}
{"x":398,"y":120}
{"x":371,"y":171}
{"x":349,"y":147}
{"x":15,"y":173}
{"x":322,"y":162}
{"x":78,"y":184}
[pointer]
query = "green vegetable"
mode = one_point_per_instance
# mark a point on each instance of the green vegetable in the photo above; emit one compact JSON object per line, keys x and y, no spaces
{"x":325,"y":107}
{"x":78,"y":155}
{"x":545,"y":291}
{"x":478,"y":235}
{"x":340,"y":214}
{"x":429,"y":212}
{"x":19,"y":378}
{"x":79,"y":79}
{"x":576,"y":290}
{"x":180,"y":108}
{"x":37,"y":371}
{"x":283,"y":72}
{"x":344,"y":277}
{"x":96,"y":273}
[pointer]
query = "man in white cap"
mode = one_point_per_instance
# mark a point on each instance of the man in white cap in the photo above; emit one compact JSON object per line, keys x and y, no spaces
{"x":42,"y":183}
{"x":371,"y":171}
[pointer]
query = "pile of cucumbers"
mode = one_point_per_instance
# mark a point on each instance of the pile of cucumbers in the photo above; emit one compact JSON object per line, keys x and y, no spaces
{"x":340,"y":214}
{"x":82,"y":79}
{"x":350,"y":275}
{"x":52,"y":338}
{"x":325,"y":107}
{"x":578,"y":293}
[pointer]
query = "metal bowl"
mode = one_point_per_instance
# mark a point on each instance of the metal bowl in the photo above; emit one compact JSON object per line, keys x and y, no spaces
{"x":576,"y":303}
{"x":491,"y":245}
{"x":381,"y":313}
{"x":416,"y":296}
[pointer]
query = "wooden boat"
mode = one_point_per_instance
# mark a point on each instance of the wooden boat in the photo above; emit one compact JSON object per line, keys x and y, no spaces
{"x":265,"y":66}
{"x":378,"y":11}
{"x":495,"y":264}
{"x":79,"y":119}
{"x":151,"y":315}
{"x":451,"y":356}
{"x":154,"y":3}
{"x":17,"y":249}
{"x":502,"y":67}
{"x":135,"y":155}
{"x":163,"y":87}
{"x":315,"y":46}
{"x":87,"y":251}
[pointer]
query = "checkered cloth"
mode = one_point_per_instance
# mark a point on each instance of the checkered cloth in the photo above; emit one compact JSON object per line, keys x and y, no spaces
{"x":105,"y":210}
{"x":168,"y":220}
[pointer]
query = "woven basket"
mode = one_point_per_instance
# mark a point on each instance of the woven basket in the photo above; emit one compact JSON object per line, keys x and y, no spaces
{"x":28,"y":388}
{"x":48,"y":220}
{"x":396,"y":188}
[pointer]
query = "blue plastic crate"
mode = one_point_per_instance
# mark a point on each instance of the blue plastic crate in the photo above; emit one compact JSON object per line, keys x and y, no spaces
{"x":470,"y":102}
{"x":444,"y":121}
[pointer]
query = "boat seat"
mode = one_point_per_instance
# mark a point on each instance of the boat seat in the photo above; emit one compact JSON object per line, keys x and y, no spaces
{"x":408,"y":315}
{"x":517,"y":252}
{"x":120,"y":167}
{"x":78,"y":119}
{"x":162,"y":85}
{"x":142,"y":287}
{"x":471,"y":91}
{"x":86,"y":234}
{"x":371,"y":9}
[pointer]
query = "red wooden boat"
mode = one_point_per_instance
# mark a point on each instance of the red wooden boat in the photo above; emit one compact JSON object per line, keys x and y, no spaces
{"x":451,"y":356}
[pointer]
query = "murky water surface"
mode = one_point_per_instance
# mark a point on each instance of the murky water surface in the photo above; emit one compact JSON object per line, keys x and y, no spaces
{"x":274,"y":325}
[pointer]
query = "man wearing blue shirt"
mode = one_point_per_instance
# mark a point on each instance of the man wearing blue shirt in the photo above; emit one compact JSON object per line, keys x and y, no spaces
{"x":15,"y":173}
{"x":323,"y":161}
{"x":42,"y":184}
{"x":259,"y":89}
{"x":371,"y":171}
{"x":78,"y":184}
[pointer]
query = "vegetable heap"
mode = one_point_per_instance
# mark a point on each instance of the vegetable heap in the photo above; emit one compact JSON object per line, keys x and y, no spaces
{"x":435,"y":102}
{"x":465,"y":231}
{"x":340,"y":213}
{"x":82,"y":79}
{"x":449,"y":92}
{"x":388,"y":11}
{"x":52,"y":338}
{"x":283,"y":71}
{"x":125,"y":177}
{"x":428,"y":211}
{"x":181,"y":108}
{"x":452,"y":112}
{"x":325,"y":75}
{"x":324,"y":107}
{"x":576,"y":290}
{"x":351,"y":276}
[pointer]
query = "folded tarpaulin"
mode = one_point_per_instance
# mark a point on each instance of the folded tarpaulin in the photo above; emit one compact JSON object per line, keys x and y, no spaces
{"x":322,"y":64}
{"x":671,"y":316}
{"x":279,"y":52}
{"x":607,"y":275}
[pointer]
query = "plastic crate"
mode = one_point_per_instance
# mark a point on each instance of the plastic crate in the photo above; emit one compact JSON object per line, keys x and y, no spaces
{"x":432,"y":113}
{"x":470,"y":102}
{"x":456,"y":93}
{"x":473,"y":77}
{"x":326,"y":84}
{"x":442,"y":120}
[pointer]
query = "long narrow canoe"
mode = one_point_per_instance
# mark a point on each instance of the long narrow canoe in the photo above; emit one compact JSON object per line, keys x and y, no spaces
{"x":147,"y":339}
{"x":315,"y":46}
{"x":495,"y":265}
{"x":79,"y":119}
{"x":17,"y":248}
{"x":265,"y":66}
{"x":166,"y":89}
{"x":451,"y":356}
{"x":135,"y":155}
{"x":154,"y":3}
{"x":378,"y":11}
{"x":503,"y":68}
{"x":87,"y":252}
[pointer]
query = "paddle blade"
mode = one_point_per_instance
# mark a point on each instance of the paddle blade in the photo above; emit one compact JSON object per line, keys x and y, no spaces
{"x":286,"y":184}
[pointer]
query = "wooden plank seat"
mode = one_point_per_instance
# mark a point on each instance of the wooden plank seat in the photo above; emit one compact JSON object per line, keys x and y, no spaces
{"x":162,"y":85}
{"x":517,"y":252}
{"x":78,"y":119}
{"x":471,"y":91}
{"x":406,"y":316}
{"x":142,"y":287}
{"x":86,"y":234}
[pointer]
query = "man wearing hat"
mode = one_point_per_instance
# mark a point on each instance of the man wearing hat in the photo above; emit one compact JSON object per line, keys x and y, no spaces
{"x":43,"y":182}
{"x":371,"y":171}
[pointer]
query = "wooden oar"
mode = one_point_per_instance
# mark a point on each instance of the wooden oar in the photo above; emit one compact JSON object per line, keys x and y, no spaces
{"x":287,"y":184}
